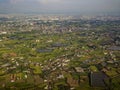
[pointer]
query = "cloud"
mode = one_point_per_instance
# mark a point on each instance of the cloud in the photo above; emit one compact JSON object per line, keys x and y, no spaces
{"x":16,"y":1}
{"x":48,"y":1}
{"x":39,"y":1}
{"x":60,"y":5}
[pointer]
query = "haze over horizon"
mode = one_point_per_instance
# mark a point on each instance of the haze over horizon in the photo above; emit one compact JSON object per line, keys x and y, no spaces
{"x":60,"y":6}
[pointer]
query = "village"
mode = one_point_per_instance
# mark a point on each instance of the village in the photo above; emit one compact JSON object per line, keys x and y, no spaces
{"x":59,"y":54}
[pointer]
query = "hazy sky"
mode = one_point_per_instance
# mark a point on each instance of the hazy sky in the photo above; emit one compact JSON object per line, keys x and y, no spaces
{"x":60,"y":6}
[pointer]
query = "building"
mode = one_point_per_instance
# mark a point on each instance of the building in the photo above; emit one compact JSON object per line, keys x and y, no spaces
{"x":97,"y":79}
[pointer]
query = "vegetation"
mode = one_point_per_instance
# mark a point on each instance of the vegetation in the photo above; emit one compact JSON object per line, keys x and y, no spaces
{"x":58,"y":55}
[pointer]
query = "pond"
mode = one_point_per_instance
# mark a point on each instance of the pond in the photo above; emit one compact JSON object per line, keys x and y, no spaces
{"x":115,"y":48}
{"x":59,"y":45}
{"x":44,"y":50}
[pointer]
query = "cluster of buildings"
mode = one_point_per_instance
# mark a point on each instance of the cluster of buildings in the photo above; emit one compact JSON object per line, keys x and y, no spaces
{"x":64,"y":53}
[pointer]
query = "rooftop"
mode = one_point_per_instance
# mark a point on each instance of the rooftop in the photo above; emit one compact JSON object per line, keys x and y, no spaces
{"x":97,"y":79}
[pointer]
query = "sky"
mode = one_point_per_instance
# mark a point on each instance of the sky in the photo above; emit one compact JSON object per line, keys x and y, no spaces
{"x":59,"y":6}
